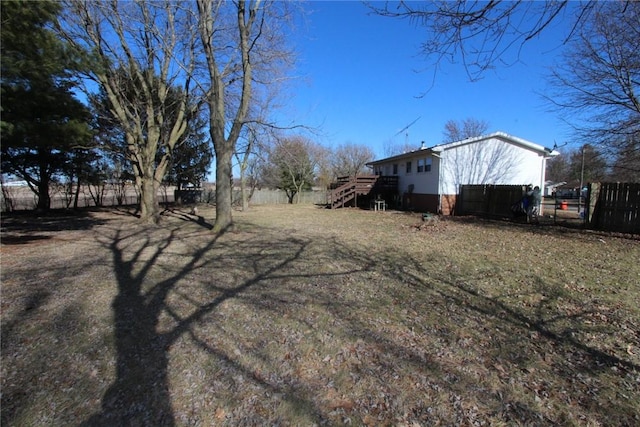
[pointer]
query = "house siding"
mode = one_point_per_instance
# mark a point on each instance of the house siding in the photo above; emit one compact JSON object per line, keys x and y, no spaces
{"x":425,"y":182}
{"x":494,"y":162}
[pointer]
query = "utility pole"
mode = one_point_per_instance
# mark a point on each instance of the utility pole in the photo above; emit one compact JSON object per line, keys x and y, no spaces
{"x":581,"y":181}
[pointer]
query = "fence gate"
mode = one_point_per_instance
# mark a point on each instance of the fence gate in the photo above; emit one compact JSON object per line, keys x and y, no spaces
{"x":614,"y":207}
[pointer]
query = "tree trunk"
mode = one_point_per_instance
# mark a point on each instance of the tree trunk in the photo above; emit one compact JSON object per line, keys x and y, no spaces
{"x":243,"y":192}
{"x":76,"y":195}
{"x":44,"y":200}
{"x":149,"y":211}
{"x":290,"y":195}
{"x":298,"y":193}
{"x":223,"y":187}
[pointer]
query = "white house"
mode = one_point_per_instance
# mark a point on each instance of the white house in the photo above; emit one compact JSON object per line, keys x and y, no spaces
{"x":429,"y":179}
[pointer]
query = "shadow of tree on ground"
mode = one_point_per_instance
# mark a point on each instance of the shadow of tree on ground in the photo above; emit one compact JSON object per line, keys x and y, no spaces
{"x":270,"y":274}
{"x":288,"y":326}
{"x":140,"y":394}
{"x":31,"y":227}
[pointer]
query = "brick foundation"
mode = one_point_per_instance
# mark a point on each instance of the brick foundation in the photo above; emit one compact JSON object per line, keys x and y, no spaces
{"x":429,"y":203}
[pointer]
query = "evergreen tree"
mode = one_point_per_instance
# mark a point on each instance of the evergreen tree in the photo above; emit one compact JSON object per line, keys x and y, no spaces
{"x":189,"y":158}
{"x":41,"y":119}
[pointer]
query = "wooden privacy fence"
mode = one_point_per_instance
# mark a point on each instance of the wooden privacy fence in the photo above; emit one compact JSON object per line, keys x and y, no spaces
{"x":22,"y":198}
{"x":614,"y":207}
{"x":269,"y":197}
{"x":489,"y":200}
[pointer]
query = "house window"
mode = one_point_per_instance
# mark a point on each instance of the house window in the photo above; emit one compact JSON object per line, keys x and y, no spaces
{"x":424,"y":165}
{"x":395,"y":169}
{"x":386,"y":170}
{"x":408,"y":167}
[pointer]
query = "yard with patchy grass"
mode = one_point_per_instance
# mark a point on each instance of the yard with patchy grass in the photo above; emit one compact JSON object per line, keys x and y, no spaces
{"x":303,"y":316}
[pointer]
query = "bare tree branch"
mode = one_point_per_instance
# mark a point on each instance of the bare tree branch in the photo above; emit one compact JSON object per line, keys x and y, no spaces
{"x":243,"y":54}
{"x":596,"y":86}
{"x":140,"y":55}
{"x":478,"y":34}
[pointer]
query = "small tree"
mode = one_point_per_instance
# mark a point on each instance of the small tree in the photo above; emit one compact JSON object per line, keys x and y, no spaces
{"x":249,"y":157}
{"x":86,"y":166}
{"x":325,"y":175}
{"x":121,"y":177}
{"x":291,"y":166}
{"x":349,"y":159}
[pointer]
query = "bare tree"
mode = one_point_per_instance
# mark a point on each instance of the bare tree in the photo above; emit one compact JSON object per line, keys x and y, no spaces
{"x":557,"y":168}
{"x":292,"y":165}
{"x":586,"y":164}
{"x":256,"y":137}
{"x":596,"y":87}
{"x":392,"y":148}
{"x":626,"y":164}
{"x":147,"y":46}
{"x":599,"y":81}
{"x":244,"y":48}
{"x":483,"y":34}
{"x":463,"y":129}
{"x":324,"y":173}
{"x":349,"y":159}
{"x":487,"y":162}
{"x":250,"y":147}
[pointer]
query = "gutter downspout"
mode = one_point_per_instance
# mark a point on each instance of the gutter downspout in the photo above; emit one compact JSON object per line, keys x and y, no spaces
{"x":545,"y":156}
{"x":437,"y":156}
{"x":542,"y":174}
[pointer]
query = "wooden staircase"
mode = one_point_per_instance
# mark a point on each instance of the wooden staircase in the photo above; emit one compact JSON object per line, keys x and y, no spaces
{"x":347,"y":188}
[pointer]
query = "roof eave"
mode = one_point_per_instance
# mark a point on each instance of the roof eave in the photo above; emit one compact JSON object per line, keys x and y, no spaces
{"x":399,"y":156}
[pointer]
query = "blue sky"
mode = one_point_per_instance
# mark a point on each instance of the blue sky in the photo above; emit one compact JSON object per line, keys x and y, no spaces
{"x":362,"y":79}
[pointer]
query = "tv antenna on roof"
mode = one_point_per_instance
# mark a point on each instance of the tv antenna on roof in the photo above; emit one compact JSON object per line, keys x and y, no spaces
{"x":556,"y":146}
{"x":406,"y":137}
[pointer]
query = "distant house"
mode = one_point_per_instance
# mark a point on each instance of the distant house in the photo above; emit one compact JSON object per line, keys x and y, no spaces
{"x":551,"y":188}
{"x":429,"y":179}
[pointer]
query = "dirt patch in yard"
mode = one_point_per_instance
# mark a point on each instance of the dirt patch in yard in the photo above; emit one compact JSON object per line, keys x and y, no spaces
{"x":306,"y":316}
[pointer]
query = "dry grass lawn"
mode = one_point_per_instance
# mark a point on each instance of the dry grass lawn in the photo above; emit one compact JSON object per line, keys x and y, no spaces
{"x":302,"y":316}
